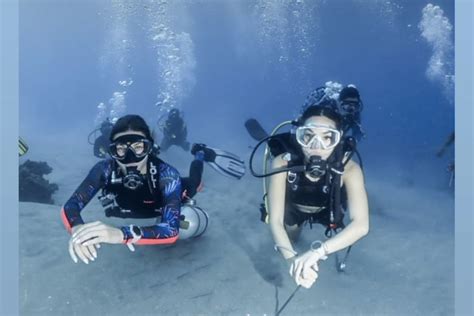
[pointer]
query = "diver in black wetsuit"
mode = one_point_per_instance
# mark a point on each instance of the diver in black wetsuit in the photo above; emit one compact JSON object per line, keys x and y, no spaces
{"x":101,"y":143}
{"x":175,"y":132}
{"x":351,"y":106}
{"x":134,"y":184}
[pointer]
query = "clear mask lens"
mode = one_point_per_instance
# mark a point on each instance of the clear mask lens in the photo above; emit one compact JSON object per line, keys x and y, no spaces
{"x":317,"y":136}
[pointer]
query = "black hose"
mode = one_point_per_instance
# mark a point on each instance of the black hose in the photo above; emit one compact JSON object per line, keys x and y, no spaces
{"x":257,"y":175}
{"x":90,"y":134}
{"x":288,"y":300}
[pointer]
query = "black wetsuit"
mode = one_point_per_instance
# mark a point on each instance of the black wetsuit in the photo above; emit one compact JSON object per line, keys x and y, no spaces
{"x":300,"y":190}
{"x":160,"y":196}
{"x":175,"y":133}
{"x":352,"y":126}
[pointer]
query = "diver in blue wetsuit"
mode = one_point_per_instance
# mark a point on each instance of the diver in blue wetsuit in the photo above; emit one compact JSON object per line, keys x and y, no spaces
{"x":135,"y":183}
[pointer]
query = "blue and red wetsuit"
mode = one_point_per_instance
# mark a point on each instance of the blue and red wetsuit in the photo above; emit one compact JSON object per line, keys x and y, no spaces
{"x":162,"y":191}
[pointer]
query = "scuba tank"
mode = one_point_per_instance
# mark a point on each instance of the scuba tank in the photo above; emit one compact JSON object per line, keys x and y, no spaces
{"x":193,"y":221}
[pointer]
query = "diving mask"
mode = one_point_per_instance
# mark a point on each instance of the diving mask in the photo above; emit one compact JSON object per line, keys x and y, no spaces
{"x":130,"y":148}
{"x":316,"y":136}
{"x":351,"y":107}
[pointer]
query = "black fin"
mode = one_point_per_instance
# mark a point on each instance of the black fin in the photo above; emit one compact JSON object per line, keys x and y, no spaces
{"x":255,"y":130}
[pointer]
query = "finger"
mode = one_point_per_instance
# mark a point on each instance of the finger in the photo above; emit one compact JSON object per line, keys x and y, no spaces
{"x":292,"y":267}
{"x":314,"y":267}
{"x":78,"y":229}
{"x":85,"y":227}
{"x":299,"y":268}
{"x":87,"y":253}
{"x":94,"y":241}
{"x":92,"y":251}
{"x":306,"y":266}
{"x":86,"y":230}
{"x":309,"y":274}
{"x":307,"y":283}
{"x":300,"y":281}
{"x":71,"y":252}
{"x":89,"y":234}
{"x":80,"y":254}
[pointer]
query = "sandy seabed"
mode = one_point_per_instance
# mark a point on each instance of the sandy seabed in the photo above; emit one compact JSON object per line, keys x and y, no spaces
{"x":405,"y":266}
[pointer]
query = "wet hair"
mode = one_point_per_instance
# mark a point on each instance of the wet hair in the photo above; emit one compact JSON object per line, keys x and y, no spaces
{"x":318,"y":110}
{"x":131,"y":123}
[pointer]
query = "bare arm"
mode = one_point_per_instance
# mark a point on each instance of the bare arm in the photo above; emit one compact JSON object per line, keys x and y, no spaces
{"x":276,"y":205}
{"x":358,"y":210}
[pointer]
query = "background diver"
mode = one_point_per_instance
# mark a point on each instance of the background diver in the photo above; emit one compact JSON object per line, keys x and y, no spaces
{"x":135,"y":183}
{"x":102,"y":142}
{"x":174,"y":131}
{"x":351,"y":106}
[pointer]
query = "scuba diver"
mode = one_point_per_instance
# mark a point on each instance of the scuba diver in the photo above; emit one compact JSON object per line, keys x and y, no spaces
{"x":312,"y":179}
{"x":174,"y":131}
{"x":351,"y":106}
{"x":135,"y":183}
{"x":440,"y":153}
{"x":102,"y":142}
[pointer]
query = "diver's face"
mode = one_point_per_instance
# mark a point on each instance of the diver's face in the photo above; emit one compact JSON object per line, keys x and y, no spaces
{"x":350,"y":105}
{"x":321,"y":131}
{"x":129,"y":146}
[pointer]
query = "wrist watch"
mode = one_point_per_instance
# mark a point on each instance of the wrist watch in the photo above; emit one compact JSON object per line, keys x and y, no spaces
{"x":136,"y":234}
{"x":322,"y":249}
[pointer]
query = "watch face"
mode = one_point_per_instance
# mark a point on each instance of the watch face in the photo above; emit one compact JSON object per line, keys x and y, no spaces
{"x":136,"y":230}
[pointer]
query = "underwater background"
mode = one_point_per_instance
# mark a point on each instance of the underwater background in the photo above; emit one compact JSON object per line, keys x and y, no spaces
{"x":223,"y":62}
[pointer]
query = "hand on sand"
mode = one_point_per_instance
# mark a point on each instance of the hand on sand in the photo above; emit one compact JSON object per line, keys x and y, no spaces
{"x":85,"y":253}
{"x":96,"y":233}
{"x":304,"y":268}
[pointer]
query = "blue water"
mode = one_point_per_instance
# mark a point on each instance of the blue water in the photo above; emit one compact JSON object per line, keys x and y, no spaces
{"x":245,"y":64}
{"x":223,"y":62}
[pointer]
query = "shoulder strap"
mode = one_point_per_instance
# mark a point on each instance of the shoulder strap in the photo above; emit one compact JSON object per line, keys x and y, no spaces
{"x":336,"y":169}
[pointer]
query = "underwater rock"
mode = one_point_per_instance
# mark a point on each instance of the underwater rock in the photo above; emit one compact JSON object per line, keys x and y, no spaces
{"x":33,"y":187}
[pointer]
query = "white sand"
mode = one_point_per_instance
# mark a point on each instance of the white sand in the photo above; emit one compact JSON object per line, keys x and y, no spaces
{"x":405,"y":266}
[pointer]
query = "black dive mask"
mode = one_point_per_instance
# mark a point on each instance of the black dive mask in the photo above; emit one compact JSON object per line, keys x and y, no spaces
{"x":130,"y":148}
{"x":132,"y":180}
{"x":316,"y":166}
